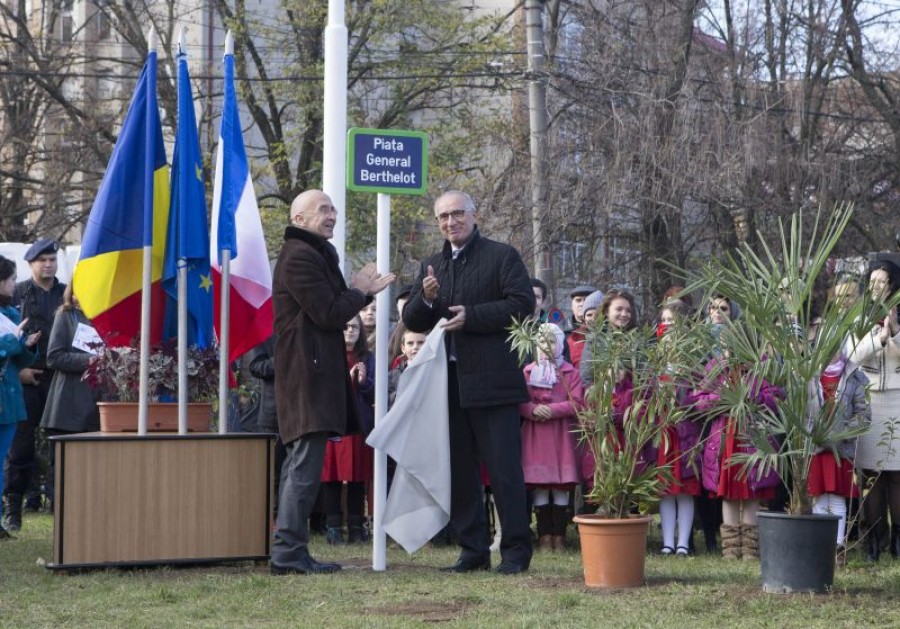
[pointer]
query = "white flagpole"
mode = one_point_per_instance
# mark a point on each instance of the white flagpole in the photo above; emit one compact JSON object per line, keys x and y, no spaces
{"x":224,"y":306}
{"x":224,"y":326}
{"x":334,"y":150}
{"x":182,"y":305}
{"x":382,"y":321}
{"x":146,"y":281}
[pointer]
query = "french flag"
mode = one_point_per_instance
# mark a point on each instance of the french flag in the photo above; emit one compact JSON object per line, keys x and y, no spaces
{"x":237,"y":228}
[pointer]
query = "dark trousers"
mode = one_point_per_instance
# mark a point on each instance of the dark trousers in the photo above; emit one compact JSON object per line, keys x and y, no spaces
{"x":491,"y":435}
{"x":300,"y":477}
{"x":21,"y":462}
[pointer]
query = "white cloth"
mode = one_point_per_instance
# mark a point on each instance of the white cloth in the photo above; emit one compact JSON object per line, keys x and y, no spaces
{"x":415,"y":433}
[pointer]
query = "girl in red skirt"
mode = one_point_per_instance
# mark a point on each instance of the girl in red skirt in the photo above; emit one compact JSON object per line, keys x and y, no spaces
{"x":677,"y":444}
{"x":348,"y":459}
{"x":721,"y":475}
{"x":839,"y":393}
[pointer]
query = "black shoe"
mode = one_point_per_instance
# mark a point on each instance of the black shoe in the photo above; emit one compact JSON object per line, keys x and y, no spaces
{"x":307,"y":565}
{"x":4,"y":535}
{"x":469,"y":565}
{"x":13,"y":521}
{"x":507,"y":567}
{"x":334,"y":535}
{"x":357,"y":535}
{"x":874,"y":545}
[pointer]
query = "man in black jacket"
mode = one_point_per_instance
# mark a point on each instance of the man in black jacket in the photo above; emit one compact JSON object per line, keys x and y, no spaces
{"x":38,"y":299}
{"x":479,"y":285}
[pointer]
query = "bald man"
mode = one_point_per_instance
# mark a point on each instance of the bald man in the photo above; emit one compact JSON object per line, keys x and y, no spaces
{"x":312,"y":383}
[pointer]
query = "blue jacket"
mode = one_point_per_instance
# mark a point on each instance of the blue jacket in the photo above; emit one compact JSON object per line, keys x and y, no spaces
{"x":13,"y":357}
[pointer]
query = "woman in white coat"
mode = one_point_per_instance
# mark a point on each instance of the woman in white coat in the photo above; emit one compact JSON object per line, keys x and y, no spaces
{"x":877,"y":352}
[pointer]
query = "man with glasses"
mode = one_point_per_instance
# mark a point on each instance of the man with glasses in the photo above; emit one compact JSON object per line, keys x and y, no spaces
{"x":313,"y":392}
{"x":479,"y":286}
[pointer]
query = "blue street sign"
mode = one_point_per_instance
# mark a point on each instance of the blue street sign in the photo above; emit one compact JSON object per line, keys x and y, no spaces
{"x":387,"y":161}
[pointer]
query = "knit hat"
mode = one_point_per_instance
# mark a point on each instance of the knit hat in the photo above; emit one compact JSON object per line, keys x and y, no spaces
{"x":593,"y":301}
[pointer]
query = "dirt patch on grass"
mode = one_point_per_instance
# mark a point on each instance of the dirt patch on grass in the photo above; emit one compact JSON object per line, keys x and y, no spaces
{"x":425,"y":611}
{"x":553,"y":583}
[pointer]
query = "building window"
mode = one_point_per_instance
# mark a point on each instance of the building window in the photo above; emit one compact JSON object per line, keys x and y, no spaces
{"x":104,"y":28}
{"x":66,"y":35}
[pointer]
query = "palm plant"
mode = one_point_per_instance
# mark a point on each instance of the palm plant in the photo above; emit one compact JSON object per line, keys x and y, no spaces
{"x":775,"y":289}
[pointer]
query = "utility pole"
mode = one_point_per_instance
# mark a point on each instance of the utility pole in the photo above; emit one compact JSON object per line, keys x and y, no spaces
{"x":537,"y":108}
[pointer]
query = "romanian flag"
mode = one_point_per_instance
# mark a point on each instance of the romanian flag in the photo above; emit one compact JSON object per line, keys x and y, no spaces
{"x":130,"y":212}
{"x":237,"y":228}
{"x":187,"y":243}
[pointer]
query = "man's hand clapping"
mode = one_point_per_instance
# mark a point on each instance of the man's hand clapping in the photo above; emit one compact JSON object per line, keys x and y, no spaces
{"x":370,"y":281}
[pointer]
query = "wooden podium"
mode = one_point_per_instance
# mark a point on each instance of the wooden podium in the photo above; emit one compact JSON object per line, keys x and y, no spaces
{"x":125,"y":500}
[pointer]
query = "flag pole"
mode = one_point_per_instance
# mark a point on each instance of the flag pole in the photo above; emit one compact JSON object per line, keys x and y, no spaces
{"x":382,"y":321}
{"x":225,"y":260}
{"x":146,"y":282}
{"x":182,"y":301}
{"x":224,"y":307}
{"x":334,"y":133}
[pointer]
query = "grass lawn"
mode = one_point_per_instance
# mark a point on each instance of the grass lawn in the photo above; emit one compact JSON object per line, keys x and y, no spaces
{"x":702,"y":591}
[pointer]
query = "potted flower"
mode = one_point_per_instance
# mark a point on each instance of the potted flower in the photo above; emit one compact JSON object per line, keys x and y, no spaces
{"x":115,"y":373}
{"x":777,"y":294}
{"x":629,"y":407}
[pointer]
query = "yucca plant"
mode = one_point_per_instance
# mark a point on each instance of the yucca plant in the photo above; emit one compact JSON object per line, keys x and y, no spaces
{"x":774,"y":288}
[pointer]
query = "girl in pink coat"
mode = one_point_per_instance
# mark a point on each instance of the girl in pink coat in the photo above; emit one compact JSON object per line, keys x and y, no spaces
{"x":549,"y":455}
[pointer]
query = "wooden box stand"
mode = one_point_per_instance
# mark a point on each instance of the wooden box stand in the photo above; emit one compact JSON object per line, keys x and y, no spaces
{"x":126,"y":500}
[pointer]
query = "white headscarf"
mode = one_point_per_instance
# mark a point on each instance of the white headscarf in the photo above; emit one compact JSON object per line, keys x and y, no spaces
{"x":544,"y":374}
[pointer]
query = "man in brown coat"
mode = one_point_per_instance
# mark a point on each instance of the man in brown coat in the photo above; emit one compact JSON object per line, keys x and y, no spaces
{"x":312,"y":384}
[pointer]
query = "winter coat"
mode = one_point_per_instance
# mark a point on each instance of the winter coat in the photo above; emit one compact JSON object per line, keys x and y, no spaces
{"x":365,"y":395}
{"x":549,"y":448}
{"x":491,"y":281}
{"x":880,"y":364}
{"x":262,"y":367}
{"x":575,"y":341}
{"x":704,"y":400}
{"x":312,"y":305}
{"x":39,"y":307}
{"x":71,"y":403}
{"x":13,"y":357}
{"x":687,"y":432}
{"x":851,"y":407}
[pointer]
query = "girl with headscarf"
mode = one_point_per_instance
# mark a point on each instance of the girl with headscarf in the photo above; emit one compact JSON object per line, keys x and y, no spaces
{"x":549,"y":455}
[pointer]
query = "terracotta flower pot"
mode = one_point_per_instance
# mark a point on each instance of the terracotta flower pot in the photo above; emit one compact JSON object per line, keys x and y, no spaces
{"x":613,"y":551}
{"x":161,"y":416}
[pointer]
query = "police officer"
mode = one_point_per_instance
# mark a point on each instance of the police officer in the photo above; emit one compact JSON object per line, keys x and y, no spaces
{"x":38,"y":299}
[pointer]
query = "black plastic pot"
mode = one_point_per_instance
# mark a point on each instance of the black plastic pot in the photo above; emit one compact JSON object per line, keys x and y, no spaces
{"x":796,"y":552}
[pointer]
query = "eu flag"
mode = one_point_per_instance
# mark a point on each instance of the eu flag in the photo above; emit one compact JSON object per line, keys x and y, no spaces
{"x":187,"y":242}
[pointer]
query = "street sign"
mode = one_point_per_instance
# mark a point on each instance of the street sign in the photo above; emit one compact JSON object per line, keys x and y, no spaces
{"x":387,"y":161}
